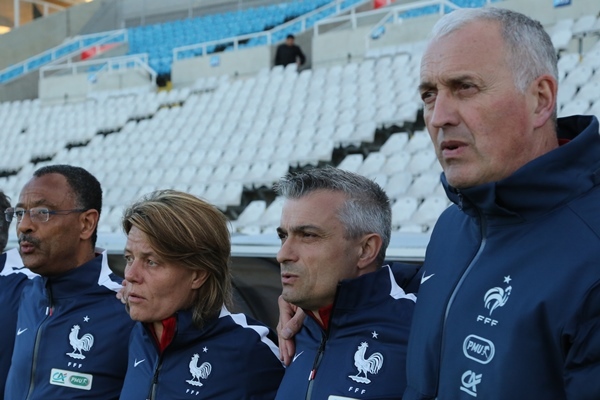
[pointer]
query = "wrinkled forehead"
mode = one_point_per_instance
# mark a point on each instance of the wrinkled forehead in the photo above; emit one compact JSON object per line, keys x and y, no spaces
{"x":474,"y":46}
{"x":316,"y":208}
{"x":50,"y":190}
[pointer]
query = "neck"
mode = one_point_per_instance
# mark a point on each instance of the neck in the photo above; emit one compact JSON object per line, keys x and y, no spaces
{"x":158,"y":329}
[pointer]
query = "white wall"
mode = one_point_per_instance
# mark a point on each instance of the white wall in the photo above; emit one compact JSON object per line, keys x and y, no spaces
{"x":241,"y":62}
{"x":73,"y":88}
{"x":340,"y":45}
{"x":335,"y":46}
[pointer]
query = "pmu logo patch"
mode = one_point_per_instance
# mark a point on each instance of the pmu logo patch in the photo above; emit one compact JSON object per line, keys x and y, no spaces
{"x":72,"y":379}
{"x":478,"y":349}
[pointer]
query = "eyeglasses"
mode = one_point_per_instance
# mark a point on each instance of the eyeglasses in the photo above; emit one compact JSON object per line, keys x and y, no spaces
{"x":37,"y":214}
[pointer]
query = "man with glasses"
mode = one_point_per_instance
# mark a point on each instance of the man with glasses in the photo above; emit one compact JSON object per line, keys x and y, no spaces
{"x":72,"y":333}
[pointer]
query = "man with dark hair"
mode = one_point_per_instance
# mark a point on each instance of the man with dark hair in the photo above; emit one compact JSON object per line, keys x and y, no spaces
{"x":72,"y":333}
{"x":13,"y":277}
{"x":335,"y":228}
{"x":289,"y":53}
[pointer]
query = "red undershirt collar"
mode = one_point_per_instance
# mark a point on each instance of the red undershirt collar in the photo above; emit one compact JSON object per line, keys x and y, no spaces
{"x":168,"y":334}
{"x":563,"y":141}
{"x":324,"y":314}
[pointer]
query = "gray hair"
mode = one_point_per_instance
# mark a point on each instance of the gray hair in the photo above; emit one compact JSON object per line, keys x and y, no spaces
{"x":366,"y":209}
{"x":530,"y":50}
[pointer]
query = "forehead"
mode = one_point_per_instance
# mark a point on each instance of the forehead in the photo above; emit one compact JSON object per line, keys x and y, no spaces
{"x":137,"y":240}
{"x":49,"y":190}
{"x":319,"y":208}
{"x":475,"y":48}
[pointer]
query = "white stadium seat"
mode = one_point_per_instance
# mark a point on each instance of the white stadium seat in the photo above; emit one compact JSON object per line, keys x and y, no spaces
{"x":351,"y":162}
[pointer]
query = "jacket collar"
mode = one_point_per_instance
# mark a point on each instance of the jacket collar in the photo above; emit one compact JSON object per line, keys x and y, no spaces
{"x":370,"y":289}
{"x":542,"y":184}
{"x":87,"y":278}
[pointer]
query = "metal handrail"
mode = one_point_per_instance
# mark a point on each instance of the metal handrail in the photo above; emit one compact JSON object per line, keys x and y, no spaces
{"x":337,"y":4}
{"x":53,"y":54}
{"x":110,"y":65}
{"x":394,"y":12}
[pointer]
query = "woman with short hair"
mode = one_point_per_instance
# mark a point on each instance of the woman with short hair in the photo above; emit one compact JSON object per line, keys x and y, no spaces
{"x":178,"y":286}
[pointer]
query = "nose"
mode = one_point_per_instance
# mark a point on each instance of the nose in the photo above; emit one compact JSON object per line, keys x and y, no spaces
{"x":25,"y":225}
{"x":443,"y":112}
{"x":132,"y":272}
{"x":287,"y":252}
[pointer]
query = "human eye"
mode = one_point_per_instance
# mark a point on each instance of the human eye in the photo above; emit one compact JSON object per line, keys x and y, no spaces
{"x":41,"y":212}
{"x":308,"y":235}
{"x":428,"y":96}
{"x":19,"y":212}
{"x":282,"y":236}
{"x":152,"y":263}
{"x":128,"y":259}
{"x":466,"y":88}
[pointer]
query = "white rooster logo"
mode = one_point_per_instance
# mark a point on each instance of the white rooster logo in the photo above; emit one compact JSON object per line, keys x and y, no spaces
{"x":372,"y":365}
{"x":202,"y":371}
{"x":84,"y":344}
{"x":496,"y":297}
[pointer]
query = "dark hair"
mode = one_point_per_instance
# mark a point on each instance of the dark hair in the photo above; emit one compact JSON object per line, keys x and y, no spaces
{"x":87,"y":189}
{"x":188,"y":231}
{"x":290,"y":36}
{"x":366,"y":209}
{"x":4,"y":225}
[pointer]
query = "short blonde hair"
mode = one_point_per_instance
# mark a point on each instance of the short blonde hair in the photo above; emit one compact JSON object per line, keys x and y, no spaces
{"x":188,"y":231}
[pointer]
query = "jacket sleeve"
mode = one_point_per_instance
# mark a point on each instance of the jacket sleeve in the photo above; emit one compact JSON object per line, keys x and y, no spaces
{"x":301,"y":55}
{"x":582,"y":363}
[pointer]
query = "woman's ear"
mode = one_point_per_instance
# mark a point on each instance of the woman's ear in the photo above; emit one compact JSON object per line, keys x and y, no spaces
{"x":198,"y":278}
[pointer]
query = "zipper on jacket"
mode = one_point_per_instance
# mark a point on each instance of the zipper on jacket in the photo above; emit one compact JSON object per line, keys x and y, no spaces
{"x":319,"y":356}
{"x":482,"y":244}
{"x":460,"y":200}
{"x":313,"y":372}
{"x":38,"y":337}
{"x":152,"y":394}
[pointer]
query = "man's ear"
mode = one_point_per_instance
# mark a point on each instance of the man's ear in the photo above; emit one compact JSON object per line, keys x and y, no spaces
{"x":370,"y":246}
{"x":544,"y":90}
{"x":89,"y":221}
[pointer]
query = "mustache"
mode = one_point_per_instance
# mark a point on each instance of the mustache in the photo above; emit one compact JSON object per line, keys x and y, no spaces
{"x":287,"y":268}
{"x":29,"y":239}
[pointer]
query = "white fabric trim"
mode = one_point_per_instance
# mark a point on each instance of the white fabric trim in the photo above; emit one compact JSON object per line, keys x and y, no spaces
{"x":13,"y":260}
{"x":396,"y":291}
{"x":262,"y":331}
{"x":104,"y":277}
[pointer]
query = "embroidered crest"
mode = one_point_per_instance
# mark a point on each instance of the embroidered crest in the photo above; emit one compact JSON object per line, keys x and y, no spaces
{"x":84,"y":344}
{"x":496,"y":298}
{"x":370,"y":365}
{"x":202,"y":371}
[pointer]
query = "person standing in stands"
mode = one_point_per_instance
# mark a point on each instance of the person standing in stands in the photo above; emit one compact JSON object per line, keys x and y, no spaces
{"x":509,"y":302}
{"x":289,"y":53}
{"x":71,"y":336}
{"x":178,"y":285}
{"x":335,"y":228}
